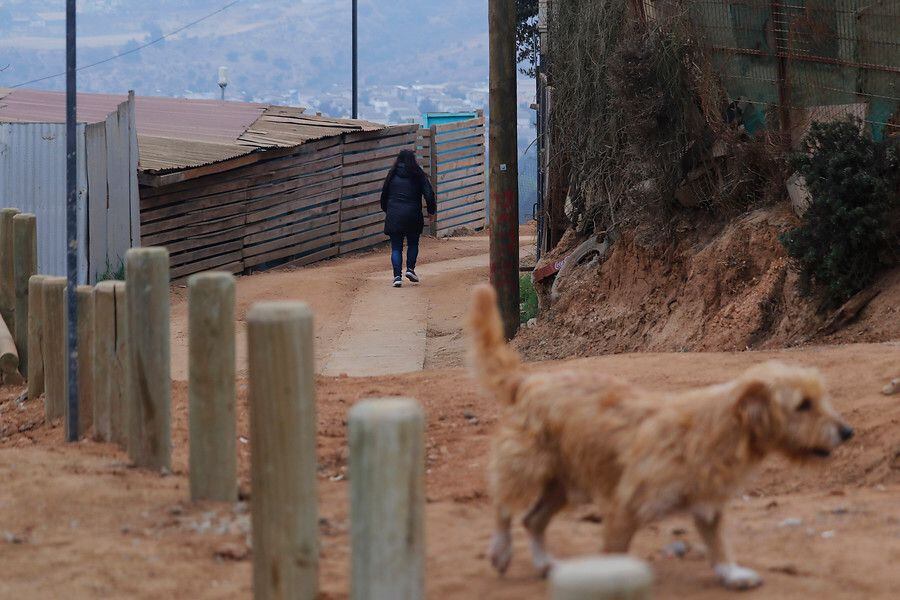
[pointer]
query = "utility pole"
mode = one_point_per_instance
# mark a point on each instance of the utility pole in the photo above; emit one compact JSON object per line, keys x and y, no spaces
{"x":355,"y":111}
{"x":71,"y":224}
{"x":504,"y":167}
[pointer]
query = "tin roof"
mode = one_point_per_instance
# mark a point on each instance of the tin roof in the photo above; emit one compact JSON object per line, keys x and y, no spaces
{"x":176,"y":134}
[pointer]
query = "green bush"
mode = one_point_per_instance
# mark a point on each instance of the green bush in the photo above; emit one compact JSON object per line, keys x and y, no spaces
{"x":849,"y":232}
{"x":528,"y":300}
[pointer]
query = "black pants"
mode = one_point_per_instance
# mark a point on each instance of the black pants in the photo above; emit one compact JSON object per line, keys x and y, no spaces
{"x":412,"y":251}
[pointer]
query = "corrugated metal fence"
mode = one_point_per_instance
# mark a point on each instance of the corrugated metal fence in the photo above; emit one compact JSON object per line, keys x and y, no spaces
{"x":33,"y":179}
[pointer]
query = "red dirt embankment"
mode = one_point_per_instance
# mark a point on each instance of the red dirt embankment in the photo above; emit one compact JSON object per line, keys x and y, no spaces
{"x":719,"y":287}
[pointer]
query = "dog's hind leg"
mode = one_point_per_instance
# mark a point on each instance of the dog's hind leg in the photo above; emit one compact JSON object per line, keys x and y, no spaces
{"x":551,"y":501}
{"x":500,"y":552}
{"x":619,"y":527}
{"x":709,"y":524}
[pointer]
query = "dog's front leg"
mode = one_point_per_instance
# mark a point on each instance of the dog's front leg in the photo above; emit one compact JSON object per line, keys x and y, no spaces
{"x":618,"y":529}
{"x":709,"y":524}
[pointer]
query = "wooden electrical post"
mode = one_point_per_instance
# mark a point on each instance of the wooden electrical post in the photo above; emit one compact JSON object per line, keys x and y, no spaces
{"x":387,"y":500}
{"x":148,"y":370}
{"x":211,"y":387}
{"x":283,"y":451}
{"x":503,"y":154}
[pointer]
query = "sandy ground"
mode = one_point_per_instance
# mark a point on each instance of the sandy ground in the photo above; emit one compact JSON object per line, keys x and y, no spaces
{"x":77,"y":522}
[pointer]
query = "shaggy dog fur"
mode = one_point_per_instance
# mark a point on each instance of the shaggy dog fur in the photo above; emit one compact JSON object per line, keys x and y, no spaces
{"x":569,"y":435}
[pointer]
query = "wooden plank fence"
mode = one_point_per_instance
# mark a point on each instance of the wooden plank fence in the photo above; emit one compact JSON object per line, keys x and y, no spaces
{"x":453,"y":155}
{"x":302,"y":205}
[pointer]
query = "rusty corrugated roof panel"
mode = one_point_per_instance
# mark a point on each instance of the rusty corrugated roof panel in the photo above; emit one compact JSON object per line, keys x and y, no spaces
{"x":175,"y":134}
{"x":161,"y":155}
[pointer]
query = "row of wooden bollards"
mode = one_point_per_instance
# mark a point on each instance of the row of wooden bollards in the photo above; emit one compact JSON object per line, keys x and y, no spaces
{"x":124,"y":391}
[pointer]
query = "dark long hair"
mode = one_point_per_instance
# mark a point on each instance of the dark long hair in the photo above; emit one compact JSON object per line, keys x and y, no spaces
{"x":408,"y":159}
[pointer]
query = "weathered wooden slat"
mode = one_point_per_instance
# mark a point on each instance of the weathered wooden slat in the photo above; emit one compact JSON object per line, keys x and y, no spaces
{"x":458,"y":135}
{"x":454,"y":155}
{"x":355,"y":190}
{"x":216,"y":262}
{"x":478,"y":197}
{"x":291,"y":217}
{"x":394,"y":130}
{"x":453,"y":126}
{"x":451,"y":176}
{"x":386,"y":142}
{"x":381,"y":165}
{"x":288,"y":234}
{"x":193,"y":256}
{"x":200,"y":241}
{"x":468,"y":207}
{"x":319,"y":228}
{"x":348,"y":214}
{"x":231,"y":211}
{"x":179,"y":230}
{"x":460,"y":192}
{"x":355,"y":223}
{"x":377,"y":154}
{"x":459,"y":221}
{"x":349,"y":236}
{"x":472,"y":142}
{"x":277,"y":209}
{"x":313,"y":257}
{"x":460,"y":164}
{"x":297,"y":250}
{"x":366,"y":242}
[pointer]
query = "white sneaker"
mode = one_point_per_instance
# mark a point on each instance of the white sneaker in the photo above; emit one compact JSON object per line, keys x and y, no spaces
{"x":398,"y":281}
{"x":411,"y":275}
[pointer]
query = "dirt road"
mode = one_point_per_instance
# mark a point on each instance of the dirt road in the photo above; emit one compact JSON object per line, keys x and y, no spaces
{"x":363,"y":325}
{"x":77,"y":522}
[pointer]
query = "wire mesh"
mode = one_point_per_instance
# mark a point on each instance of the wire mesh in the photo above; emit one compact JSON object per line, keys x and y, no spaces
{"x":791,"y":62}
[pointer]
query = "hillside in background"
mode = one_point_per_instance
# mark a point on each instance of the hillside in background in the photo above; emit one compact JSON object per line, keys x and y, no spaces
{"x":415,"y":55}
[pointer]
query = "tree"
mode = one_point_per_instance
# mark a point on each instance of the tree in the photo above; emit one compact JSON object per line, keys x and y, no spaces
{"x":527,"y":38}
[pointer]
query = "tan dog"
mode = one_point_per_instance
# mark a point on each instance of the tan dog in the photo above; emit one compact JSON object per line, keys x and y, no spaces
{"x":576,"y":434}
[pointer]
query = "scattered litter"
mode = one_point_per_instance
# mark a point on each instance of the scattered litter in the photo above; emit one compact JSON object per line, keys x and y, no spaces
{"x":243,"y":440}
{"x":828,"y":534}
{"x":791,"y":522}
{"x":338,"y":477}
{"x":891,"y":388}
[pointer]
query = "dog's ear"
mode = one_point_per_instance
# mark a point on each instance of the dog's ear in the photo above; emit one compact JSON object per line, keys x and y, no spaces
{"x":755,"y":409}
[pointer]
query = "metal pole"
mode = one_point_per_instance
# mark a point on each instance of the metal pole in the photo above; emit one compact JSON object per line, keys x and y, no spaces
{"x":355,"y":111}
{"x":504,"y":168}
{"x":71,"y":234}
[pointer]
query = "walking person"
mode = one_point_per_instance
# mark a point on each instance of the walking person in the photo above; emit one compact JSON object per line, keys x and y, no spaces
{"x":401,"y":201}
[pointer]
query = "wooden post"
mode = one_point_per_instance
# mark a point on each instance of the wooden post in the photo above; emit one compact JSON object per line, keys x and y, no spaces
{"x":110,"y":384}
{"x":54,"y":339}
{"x":387,"y":500}
{"x":85,"y":295}
{"x":283,"y":451}
{"x":148,"y":371}
{"x":24,"y":266}
{"x":503,"y":161}
{"x":211,"y":386}
{"x":612,"y":577}
{"x":9,"y":357}
{"x":7,"y":277}
{"x":35,"y":336}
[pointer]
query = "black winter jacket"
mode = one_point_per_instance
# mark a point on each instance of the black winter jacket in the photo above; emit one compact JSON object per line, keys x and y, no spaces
{"x":401,"y":200}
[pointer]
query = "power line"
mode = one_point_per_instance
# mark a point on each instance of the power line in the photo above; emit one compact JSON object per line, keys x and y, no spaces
{"x":133,"y":50}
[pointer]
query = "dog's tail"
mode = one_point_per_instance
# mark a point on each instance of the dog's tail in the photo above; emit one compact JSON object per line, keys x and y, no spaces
{"x":494,"y":363}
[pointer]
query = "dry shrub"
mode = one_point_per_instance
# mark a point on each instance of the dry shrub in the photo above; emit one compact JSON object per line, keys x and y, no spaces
{"x":638,"y":109}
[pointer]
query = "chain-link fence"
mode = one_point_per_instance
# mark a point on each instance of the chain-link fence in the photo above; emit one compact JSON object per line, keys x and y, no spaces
{"x":790,"y":62}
